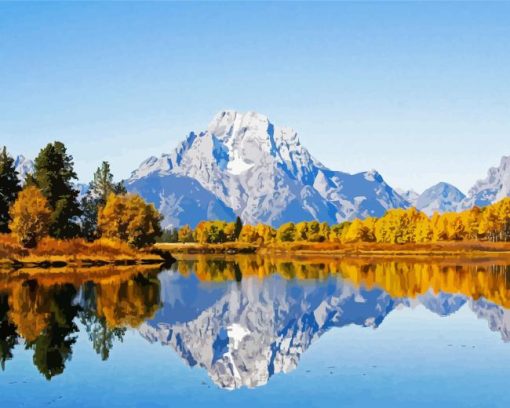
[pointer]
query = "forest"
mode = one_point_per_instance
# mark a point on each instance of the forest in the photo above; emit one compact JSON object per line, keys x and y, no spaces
{"x":397,"y":226}
{"x":46,"y":209}
{"x":45,"y":212}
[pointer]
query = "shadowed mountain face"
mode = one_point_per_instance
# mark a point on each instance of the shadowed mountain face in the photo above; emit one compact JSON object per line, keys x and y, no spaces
{"x":243,"y":332}
{"x":442,"y":197}
{"x":244,"y":164}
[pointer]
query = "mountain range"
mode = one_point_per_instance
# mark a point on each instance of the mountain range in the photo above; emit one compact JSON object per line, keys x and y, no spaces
{"x":244,"y":165}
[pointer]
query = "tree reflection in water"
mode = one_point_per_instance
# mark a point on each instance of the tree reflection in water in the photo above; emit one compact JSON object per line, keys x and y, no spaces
{"x":241,"y":318}
{"x":44,"y":314}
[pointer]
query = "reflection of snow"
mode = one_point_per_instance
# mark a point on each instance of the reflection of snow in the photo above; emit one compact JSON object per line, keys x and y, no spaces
{"x":236,"y":334}
{"x":244,"y":332}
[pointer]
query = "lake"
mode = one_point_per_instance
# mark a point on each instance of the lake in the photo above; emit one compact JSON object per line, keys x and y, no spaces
{"x":260,"y":331}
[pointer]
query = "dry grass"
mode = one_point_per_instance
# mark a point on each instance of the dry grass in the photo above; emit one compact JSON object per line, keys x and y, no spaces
{"x":437,"y":248}
{"x":10,"y":248}
{"x":74,"y":251}
{"x":193,"y":247}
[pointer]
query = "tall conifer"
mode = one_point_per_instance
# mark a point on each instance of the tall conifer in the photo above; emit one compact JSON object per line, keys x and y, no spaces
{"x":54,"y":175}
{"x":9,"y":188}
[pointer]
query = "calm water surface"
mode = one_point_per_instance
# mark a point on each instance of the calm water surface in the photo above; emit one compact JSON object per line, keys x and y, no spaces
{"x":251,"y":331}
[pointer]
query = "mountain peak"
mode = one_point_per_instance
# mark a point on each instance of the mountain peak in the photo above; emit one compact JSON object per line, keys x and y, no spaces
{"x":441,"y":197}
{"x":249,"y":167}
{"x":233,"y":125}
{"x":23,"y":166}
{"x":492,"y":188}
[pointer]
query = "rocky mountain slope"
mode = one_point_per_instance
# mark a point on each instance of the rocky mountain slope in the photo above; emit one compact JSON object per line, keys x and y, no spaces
{"x":23,"y":166}
{"x":490,"y":189}
{"x":260,"y":172}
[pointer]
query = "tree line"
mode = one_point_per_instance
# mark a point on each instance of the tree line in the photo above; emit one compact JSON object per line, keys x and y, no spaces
{"x":47,"y":203}
{"x":397,"y":226}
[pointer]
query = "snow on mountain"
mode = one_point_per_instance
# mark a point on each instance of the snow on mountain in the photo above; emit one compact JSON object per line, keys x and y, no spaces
{"x":259,"y":171}
{"x":23,"y":166}
{"x":442,"y":197}
{"x":494,"y":187}
{"x":409,"y":195}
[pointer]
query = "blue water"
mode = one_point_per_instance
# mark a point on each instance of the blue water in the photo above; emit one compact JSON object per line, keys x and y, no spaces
{"x":272,"y":341}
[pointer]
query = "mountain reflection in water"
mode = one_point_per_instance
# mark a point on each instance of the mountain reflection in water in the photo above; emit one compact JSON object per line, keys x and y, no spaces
{"x":244,"y":318}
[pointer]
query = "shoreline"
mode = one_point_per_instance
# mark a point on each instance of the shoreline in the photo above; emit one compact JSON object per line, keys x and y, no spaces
{"x":440,"y":249}
{"x":155,"y":257}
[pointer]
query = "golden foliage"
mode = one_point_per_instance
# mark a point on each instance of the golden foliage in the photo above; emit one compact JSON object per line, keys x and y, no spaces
{"x":215,"y":232}
{"x":128,"y":302}
{"x":185,"y":234}
{"x":402,"y":278}
{"x":31,"y":216}
{"x":130,"y":219}
{"x":397,"y":226}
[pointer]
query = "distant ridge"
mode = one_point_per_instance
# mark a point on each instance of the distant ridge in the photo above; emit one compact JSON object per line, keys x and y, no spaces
{"x":242,"y":164}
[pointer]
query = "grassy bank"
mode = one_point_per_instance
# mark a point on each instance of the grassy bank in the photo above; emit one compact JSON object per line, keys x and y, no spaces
{"x":52,"y":253}
{"x":196,"y":248}
{"x":464,"y":248}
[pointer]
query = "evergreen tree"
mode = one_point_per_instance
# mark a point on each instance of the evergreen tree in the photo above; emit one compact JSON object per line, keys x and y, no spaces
{"x":53,"y":175}
{"x":9,"y":188}
{"x":99,"y":190}
{"x":238,"y":228}
{"x":102,"y":184}
{"x":8,"y":336}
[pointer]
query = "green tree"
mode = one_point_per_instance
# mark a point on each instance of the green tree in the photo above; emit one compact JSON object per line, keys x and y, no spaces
{"x":169,"y":235}
{"x":99,"y":189}
{"x":238,"y":228}
{"x":8,"y":335}
{"x":53,"y":347}
{"x":54,"y":175}
{"x":9,"y":188}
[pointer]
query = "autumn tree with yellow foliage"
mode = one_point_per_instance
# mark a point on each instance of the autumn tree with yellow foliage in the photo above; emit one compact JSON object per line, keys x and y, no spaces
{"x":396,"y":226}
{"x":31,"y":216}
{"x":129,"y":218}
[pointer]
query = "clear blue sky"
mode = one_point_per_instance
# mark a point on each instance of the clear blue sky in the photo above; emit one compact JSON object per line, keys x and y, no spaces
{"x":419,"y":91}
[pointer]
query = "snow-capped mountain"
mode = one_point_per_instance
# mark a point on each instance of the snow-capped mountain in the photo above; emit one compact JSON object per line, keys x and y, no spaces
{"x":409,"y":195}
{"x":494,"y":187}
{"x":242,"y":164}
{"x":442,"y":197}
{"x":23,"y":166}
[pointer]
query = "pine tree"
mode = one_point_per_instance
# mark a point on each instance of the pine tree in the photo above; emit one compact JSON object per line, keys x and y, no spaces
{"x":9,"y":188}
{"x":102,"y":184}
{"x":53,"y":175}
{"x":238,"y":228}
{"x":99,"y":190}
